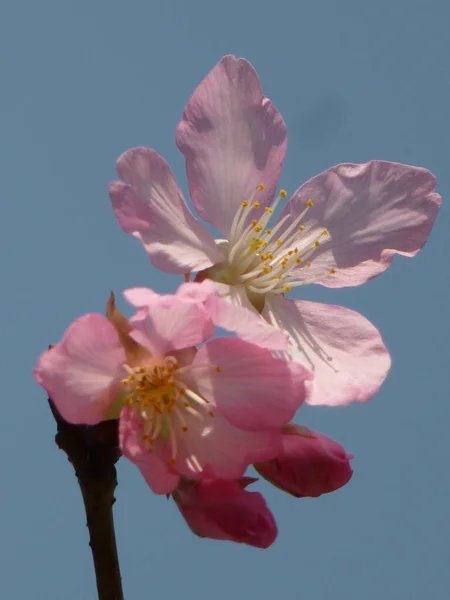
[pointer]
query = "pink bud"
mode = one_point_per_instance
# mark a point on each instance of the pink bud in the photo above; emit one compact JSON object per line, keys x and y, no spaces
{"x":310,"y":464}
{"x":224,"y":510}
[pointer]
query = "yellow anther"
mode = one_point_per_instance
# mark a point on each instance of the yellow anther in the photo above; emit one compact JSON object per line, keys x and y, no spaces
{"x":254,"y":244}
{"x":308,"y":264}
{"x":268,"y":210}
{"x":124,"y":381}
{"x":141,"y":370}
{"x":244,"y":204}
{"x":268,"y":232}
{"x":278,"y":277}
{"x":324,"y":232}
{"x":258,"y":229}
{"x":317,"y":243}
{"x":267,"y":269}
{"x":287,"y":288}
{"x":332,"y":271}
{"x":218,"y":369}
{"x":301,"y":228}
{"x":260,"y":187}
{"x":256,"y":204}
{"x":270,"y":256}
{"x":283,"y":193}
{"x":298,"y":260}
{"x":129,"y":401}
{"x":254,"y":221}
{"x":310,"y":203}
{"x":263,"y":243}
{"x":291,"y":252}
{"x":279,"y":242}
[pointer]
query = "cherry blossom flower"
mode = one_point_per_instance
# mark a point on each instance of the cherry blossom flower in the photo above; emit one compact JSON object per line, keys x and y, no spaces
{"x":225,"y":510}
{"x":203,"y":412}
{"x":341,"y":228}
{"x":309,"y":464}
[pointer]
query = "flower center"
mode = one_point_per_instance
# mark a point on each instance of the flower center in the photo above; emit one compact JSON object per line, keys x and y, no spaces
{"x":158,"y":394}
{"x":262,"y":258}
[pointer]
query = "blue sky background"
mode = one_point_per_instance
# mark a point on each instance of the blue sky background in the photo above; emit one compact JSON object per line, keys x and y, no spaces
{"x":82,"y":82}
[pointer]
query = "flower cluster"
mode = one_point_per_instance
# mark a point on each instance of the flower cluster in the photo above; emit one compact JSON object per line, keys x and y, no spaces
{"x":195,"y":411}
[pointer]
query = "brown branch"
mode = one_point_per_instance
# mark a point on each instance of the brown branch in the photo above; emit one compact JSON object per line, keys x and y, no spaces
{"x":93,"y":452}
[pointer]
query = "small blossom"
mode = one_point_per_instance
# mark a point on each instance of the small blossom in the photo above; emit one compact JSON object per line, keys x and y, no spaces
{"x":309,"y":464}
{"x":341,"y":228}
{"x":225,"y":510}
{"x":182,"y":409}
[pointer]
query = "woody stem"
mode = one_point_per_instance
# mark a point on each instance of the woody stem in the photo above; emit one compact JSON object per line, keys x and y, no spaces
{"x":93,"y":452}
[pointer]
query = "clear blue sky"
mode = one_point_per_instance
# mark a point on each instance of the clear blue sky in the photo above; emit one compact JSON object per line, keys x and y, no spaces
{"x":82,"y":81}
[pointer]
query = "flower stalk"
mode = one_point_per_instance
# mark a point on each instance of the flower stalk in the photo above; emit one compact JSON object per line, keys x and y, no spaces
{"x":93,"y":452}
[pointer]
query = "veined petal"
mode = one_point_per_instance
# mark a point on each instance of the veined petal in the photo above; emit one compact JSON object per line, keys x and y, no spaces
{"x":229,"y":308}
{"x":251,"y":388}
{"x":223,"y":510}
{"x":81,"y":374}
{"x":158,"y":475}
{"x":310,"y":463}
{"x":233,"y":139}
{"x":170,"y":323}
{"x":215,"y":448}
{"x":371,"y":211}
{"x":150,"y":206}
{"x":341,"y":347}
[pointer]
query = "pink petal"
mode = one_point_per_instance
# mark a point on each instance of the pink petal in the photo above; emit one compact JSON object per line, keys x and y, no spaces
{"x":150,"y":206}
{"x":140,"y":297}
{"x":253,"y":390}
{"x":229,"y":308}
{"x":222,"y":510}
{"x":233,"y":140}
{"x":310,"y":464}
{"x":371,"y":211}
{"x":158,"y":475}
{"x":82,"y":372}
{"x":214,"y":448}
{"x":170,"y":323}
{"x":342,"y":348}
{"x":191,"y":292}
{"x":198,"y":292}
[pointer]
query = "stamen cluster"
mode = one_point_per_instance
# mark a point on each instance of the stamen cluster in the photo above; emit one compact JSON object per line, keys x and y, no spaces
{"x":164,"y":402}
{"x":262,"y":259}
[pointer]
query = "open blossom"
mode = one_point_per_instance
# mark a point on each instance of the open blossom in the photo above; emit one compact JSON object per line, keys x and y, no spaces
{"x":341,"y":228}
{"x":184,"y":411}
{"x":225,"y":510}
{"x":309,"y":463}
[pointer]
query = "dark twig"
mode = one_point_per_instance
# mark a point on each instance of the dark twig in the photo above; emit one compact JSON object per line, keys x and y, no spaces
{"x":93,"y":452}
